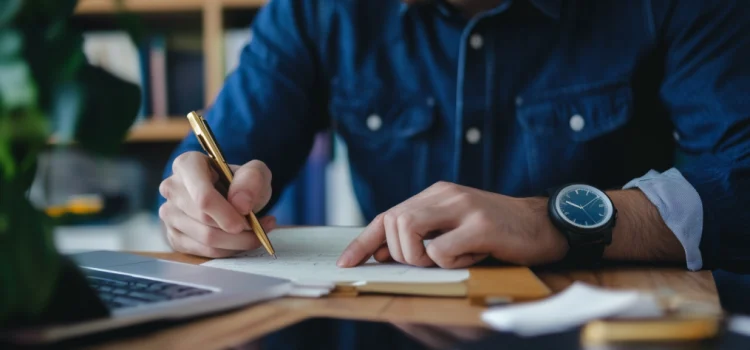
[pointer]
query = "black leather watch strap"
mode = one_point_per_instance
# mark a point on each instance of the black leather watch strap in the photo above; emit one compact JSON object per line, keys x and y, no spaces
{"x":585,"y":255}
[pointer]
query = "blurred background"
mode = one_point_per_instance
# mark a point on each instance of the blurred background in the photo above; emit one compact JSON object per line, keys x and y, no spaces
{"x":188,"y":48}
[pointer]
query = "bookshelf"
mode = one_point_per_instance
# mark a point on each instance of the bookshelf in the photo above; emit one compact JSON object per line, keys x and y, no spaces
{"x":172,"y":129}
{"x":212,"y":23}
{"x":149,"y":6}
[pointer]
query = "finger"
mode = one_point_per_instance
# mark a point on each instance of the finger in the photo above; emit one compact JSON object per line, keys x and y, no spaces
{"x":184,"y":244}
{"x":268,"y":223}
{"x":463,"y":261}
{"x":251,"y":187}
{"x":175,"y":192}
{"x":391,"y":236}
{"x":416,"y":226}
{"x":362,"y":247}
{"x":410,"y":235}
{"x":459,"y":248}
{"x":196,"y":175}
{"x":207,"y":235}
{"x":382,"y":254}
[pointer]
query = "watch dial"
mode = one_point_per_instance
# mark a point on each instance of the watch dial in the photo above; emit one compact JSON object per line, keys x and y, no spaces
{"x":584,"y":206}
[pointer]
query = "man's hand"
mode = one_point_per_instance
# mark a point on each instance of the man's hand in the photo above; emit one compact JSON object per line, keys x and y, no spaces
{"x":468,"y":225}
{"x":198,"y":218}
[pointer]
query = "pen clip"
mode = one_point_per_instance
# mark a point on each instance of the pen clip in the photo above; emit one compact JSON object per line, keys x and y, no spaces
{"x":205,"y":147}
{"x":206,"y":139}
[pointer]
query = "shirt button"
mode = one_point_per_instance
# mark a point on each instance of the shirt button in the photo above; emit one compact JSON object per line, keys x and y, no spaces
{"x":374,"y":122}
{"x":519,"y":101}
{"x":577,"y":123}
{"x":476,"y":41}
{"x":473,"y":136}
{"x":430,"y":101}
{"x":676,"y":135}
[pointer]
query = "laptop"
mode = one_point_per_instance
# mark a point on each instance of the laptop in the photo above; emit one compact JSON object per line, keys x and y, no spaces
{"x":137,"y":289}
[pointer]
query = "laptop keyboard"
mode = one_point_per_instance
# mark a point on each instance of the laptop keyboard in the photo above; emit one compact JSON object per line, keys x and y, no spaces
{"x":120,"y":291}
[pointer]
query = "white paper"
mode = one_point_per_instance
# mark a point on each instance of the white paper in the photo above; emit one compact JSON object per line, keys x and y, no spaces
{"x":303,"y":292}
{"x":310,"y":254}
{"x":573,"y":307}
{"x":739,"y":324}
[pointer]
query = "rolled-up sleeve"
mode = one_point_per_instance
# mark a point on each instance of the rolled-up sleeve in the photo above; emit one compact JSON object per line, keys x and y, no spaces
{"x":705,"y":90}
{"x":680,"y":207}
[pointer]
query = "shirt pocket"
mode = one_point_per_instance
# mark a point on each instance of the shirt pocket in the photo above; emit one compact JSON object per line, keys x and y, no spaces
{"x":378,"y":122}
{"x":387,"y":134}
{"x":576,"y":134}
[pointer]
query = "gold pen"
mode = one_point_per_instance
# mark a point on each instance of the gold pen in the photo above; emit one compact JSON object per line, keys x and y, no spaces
{"x":208,"y":142}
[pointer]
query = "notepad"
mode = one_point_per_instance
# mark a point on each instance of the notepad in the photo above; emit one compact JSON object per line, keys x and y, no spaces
{"x":310,"y":254}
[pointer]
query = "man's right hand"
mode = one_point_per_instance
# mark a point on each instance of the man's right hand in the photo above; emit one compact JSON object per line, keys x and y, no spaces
{"x":200,"y":220}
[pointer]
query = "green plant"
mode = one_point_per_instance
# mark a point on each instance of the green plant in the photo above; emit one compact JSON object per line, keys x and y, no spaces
{"x":46,"y":87}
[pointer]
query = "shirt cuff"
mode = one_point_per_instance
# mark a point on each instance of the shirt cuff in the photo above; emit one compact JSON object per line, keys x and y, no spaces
{"x":680,"y":207}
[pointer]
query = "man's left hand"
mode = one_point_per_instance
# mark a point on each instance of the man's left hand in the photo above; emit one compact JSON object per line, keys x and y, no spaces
{"x":466,"y":225}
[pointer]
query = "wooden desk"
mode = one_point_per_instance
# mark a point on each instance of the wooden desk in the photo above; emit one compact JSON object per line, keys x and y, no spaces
{"x":242,"y":326}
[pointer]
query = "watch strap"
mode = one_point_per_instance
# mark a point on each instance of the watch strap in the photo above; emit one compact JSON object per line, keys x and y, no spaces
{"x":585,"y":255}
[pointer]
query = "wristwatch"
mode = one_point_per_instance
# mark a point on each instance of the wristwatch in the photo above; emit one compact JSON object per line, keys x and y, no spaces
{"x":586,"y":216}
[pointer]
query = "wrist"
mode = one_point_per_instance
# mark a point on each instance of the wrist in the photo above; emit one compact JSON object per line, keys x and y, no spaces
{"x":641,"y":233}
{"x":553,"y":244}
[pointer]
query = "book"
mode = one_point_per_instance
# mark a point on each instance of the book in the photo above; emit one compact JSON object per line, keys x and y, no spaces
{"x":313,"y":205}
{"x":303,"y":201}
{"x":185,"y":74}
{"x":158,"y":76}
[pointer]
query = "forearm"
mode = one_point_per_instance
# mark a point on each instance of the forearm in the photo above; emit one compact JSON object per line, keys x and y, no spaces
{"x":640,"y":233}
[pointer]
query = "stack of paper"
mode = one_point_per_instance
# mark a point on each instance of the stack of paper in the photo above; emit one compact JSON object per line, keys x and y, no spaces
{"x":308,"y":257}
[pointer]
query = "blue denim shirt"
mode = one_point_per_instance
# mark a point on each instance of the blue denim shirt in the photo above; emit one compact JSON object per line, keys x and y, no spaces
{"x":528,"y":96}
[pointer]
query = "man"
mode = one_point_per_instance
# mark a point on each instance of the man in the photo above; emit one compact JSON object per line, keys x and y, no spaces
{"x":462,"y":118}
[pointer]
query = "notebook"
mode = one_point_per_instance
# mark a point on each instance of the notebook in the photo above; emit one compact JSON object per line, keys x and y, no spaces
{"x":308,"y":256}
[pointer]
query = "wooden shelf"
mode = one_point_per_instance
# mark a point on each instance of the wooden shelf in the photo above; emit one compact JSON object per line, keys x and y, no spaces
{"x":172,"y":129}
{"x":143,"y":6}
{"x":243,"y":4}
{"x":154,"y":130}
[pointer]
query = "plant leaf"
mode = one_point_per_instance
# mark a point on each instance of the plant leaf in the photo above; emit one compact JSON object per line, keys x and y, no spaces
{"x":17,"y":88}
{"x":8,"y":10}
{"x":10,"y":43}
{"x":7,"y":163}
{"x":50,"y":11}
{"x":110,"y":107}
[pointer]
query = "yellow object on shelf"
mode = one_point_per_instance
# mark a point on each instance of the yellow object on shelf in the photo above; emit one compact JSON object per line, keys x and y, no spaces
{"x":80,"y":205}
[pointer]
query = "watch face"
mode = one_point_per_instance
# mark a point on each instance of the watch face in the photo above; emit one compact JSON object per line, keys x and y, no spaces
{"x":584,"y":206}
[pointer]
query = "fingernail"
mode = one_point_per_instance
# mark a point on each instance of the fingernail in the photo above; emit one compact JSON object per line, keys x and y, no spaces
{"x":243,"y":202}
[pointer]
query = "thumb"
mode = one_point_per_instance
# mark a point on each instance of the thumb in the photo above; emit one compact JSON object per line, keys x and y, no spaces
{"x":250,"y":188}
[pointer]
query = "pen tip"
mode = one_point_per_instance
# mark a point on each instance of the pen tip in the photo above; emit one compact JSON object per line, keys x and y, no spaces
{"x":274,"y":256}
